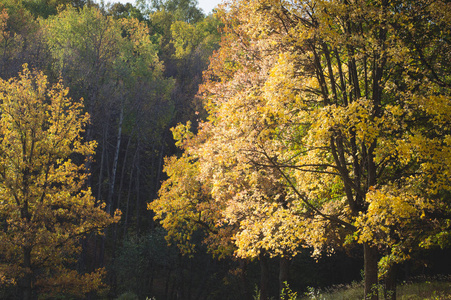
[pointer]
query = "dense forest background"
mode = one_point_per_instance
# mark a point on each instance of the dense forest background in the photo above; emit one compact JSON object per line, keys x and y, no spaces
{"x":138,"y":68}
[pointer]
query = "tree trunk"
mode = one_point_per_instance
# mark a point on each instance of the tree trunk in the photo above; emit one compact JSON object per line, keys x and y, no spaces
{"x":112,"y":180}
{"x":121,"y":182}
{"x":244,"y":282}
{"x":390,"y":283}
{"x":166,"y":286}
{"x":102,"y":161}
{"x":138,"y":189}
{"x":264,"y":277}
{"x":179,"y":280}
{"x":27,"y":281}
{"x":284,"y":268}
{"x":370,"y":269}
{"x":129,"y":193}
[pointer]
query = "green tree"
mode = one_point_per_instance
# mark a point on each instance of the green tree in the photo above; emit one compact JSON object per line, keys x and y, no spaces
{"x":113,"y":64}
{"x":119,"y":10}
{"x":201,"y":36}
{"x":45,"y":207}
{"x":46,"y":8}
{"x":84,"y":45}
{"x":182,"y":10}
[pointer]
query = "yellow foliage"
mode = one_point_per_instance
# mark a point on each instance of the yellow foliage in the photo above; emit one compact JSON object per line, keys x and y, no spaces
{"x":326,"y":124}
{"x":44,"y":204}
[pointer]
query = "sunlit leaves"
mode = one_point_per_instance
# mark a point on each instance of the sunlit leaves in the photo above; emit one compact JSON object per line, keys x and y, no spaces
{"x":329,"y":122}
{"x":185,"y":206}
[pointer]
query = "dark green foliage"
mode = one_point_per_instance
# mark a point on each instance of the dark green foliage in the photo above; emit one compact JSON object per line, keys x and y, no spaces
{"x":183,"y":10}
{"x":46,"y":8}
{"x":142,"y":262}
{"x":119,"y":10}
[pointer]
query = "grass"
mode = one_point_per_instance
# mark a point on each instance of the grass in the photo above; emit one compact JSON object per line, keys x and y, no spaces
{"x":434,"y":289}
{"x":438,"y":288}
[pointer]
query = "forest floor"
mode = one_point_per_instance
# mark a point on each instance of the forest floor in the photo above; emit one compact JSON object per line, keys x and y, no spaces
{"x":434,"y":289}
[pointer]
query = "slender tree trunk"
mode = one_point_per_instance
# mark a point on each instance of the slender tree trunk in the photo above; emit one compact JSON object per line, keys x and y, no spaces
{"x":138,"y":199}
{"x":121,"y":182}
{"x":104,"y":157}
{"x":160,"y":164}
{"x":370,"y":269}
{"x":166,"y":287}
{"x":129,"y":194}
{"x":109,"y":203}
{"x":158,"y":178}
{"x":264,"y":277}
{"x":102,"y":161}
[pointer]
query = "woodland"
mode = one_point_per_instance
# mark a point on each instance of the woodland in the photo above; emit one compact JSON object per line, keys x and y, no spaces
{"x":271,"y":147}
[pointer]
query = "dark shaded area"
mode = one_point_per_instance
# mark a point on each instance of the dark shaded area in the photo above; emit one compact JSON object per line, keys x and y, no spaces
{"x":131,"y":124}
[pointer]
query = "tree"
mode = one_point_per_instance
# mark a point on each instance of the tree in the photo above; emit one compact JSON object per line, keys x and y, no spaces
{"x":192,"y":46}
{"x":84,"y":46}
{"x":46,"y":8}
{"x":45,"y":206}
{"x":119,"y":10}
{"x":338,"y":94}
{"x":323,"y":108}
{"x":19,"y":39}
{"x":185,"y":204}
{"x":188,"y":211}
{"x":182,"y":10}
{"x":202,"y":36}
{"x":113,"y":64}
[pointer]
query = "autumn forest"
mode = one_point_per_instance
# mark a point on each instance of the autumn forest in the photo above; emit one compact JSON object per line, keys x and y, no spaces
{"x":270,"y":149}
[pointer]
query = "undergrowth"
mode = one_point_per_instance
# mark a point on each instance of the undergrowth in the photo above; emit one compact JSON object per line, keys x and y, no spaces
{"x":419,"y":289}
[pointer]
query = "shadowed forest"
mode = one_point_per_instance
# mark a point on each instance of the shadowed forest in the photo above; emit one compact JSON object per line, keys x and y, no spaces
{"x":272,"y":149}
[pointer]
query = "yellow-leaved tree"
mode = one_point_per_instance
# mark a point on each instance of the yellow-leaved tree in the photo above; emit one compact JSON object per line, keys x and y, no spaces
{"x":185,"y":204}
{"x":45,"y":206}
{"x":329,"y":123}
{"x":347,"y":102}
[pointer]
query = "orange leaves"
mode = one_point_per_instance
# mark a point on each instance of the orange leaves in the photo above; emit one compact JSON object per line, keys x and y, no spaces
{"x":3,"y":23}
{"x":63,"y":282}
